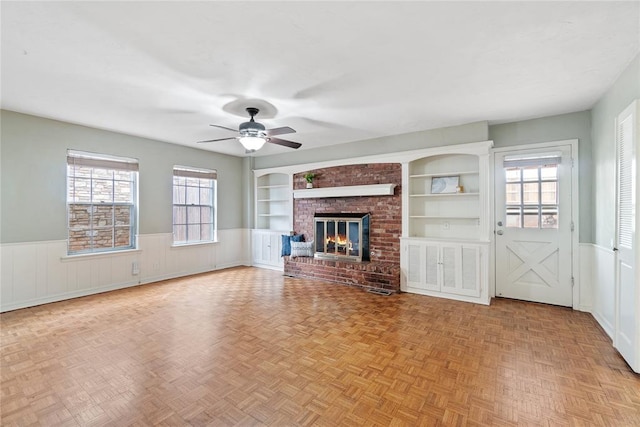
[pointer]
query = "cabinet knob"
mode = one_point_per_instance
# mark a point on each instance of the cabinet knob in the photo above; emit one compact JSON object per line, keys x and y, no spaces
{"x":499,"y":223}
{"x":499,"y":232}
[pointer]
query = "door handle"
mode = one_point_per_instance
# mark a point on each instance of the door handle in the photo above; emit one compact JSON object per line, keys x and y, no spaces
{"x":615,"y":249}
{"x":499,"y":232}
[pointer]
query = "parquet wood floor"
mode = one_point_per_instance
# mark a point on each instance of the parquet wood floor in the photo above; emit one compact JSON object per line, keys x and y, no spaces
{"x":248,"y":346}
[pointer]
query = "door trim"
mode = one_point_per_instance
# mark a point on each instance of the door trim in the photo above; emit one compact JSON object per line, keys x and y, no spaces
{"x":575,"y":212}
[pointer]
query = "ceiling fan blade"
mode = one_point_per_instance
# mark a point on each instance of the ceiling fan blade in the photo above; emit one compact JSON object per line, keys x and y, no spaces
{"x":224,"y":127}
{"x":216,"y":140}
{"x":280,"y":131}
{"x":284,"y":142}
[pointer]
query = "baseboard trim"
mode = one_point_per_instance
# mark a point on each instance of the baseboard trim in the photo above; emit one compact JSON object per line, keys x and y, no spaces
{"x":86,"y":292}
{"x":608,"y":328}
{"x":67,"y":295}
{"x":268,"y":267}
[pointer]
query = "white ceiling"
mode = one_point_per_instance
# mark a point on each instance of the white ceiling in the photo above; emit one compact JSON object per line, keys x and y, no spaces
{"x":334,"y":71}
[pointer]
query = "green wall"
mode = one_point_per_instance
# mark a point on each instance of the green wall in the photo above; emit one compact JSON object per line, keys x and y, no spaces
{"x":472,"y":132}
{"x":557,"y":128}
{"x":33,"y":177}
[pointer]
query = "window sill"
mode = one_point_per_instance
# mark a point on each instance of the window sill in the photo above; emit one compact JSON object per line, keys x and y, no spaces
{"x":187,"y":245}
{"x":77,"y":257}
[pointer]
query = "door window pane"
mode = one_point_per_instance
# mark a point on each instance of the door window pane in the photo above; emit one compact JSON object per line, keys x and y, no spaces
{"x":513,"y":194}
{"x":549,"y":193}
{"x":530,"y":174}
{"x":531,"y":197}
{"x":531,"y":219}
{"x":549,"y":172}
{"x":549,"y":217}
{"x":530,"y":193}
{"x":513,"y":175}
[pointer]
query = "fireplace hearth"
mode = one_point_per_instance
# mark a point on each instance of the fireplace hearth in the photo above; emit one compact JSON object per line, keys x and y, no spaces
{"x":342,"y":236}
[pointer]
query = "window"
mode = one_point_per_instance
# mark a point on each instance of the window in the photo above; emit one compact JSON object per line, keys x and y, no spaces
{"x":532,"y":192}
{"x":101,"y":202}
{"x":194,"y":205}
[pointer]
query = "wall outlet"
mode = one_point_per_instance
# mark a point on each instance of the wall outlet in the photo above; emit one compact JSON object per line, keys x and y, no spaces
{"x":135,"y":268}
{"x":446,"y":225}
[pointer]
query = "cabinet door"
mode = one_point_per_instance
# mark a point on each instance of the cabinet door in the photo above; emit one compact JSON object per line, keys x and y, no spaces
{"x":266,"y":248}
{"x":450,"y":268}
{"x":414,"y":267}
{"x":461,"y":270}
{"x":261,"y":243}
{"x":431,"y":260}
{"x":275,"y":247}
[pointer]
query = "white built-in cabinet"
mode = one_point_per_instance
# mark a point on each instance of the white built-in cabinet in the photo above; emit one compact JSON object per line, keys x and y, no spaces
{"x":266,"y":247}
{"x":445,"y":239}
{"x":273,"y":218}
{"x":449,"y":269}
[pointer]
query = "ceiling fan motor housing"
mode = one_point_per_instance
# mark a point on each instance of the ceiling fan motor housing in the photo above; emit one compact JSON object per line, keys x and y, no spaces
{"x":252,"y":129}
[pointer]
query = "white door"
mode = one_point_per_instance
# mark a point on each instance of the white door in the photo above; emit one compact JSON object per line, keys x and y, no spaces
{"x":534,"y":225}
{"x":627,"y":293}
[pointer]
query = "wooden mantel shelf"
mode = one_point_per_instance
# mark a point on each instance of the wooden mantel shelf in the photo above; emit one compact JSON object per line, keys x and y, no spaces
{"x":348,"y":191}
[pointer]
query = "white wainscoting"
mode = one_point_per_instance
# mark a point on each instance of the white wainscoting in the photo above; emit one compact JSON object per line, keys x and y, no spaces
{"x":584,"y":280}
{"x":36,"y":273}
{"x":603,"y":285}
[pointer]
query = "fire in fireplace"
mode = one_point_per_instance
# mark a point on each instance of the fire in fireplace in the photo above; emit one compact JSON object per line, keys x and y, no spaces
{"x":342,"y":236}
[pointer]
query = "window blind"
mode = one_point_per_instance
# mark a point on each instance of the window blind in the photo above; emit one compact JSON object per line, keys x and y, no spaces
{"x":195,"y":173}
{"x":75,"y":158}
{"x":626,"y":181}
{"x":520,"y":162}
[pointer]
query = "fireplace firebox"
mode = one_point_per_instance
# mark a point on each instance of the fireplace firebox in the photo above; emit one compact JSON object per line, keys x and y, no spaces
{"x":342,"y":236}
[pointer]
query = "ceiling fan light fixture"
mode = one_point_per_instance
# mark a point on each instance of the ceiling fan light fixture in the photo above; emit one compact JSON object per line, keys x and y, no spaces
{"x":252,"y":143}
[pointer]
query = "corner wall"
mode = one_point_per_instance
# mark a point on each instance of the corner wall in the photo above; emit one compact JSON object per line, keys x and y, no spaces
{"x":603,"y":182}
{"x":35,"y":268}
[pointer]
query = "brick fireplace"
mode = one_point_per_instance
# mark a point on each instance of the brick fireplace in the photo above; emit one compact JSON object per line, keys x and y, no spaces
{"x":382,"y":271}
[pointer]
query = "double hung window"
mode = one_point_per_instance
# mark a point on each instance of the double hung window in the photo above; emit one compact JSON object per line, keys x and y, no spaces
{"x":101,"y":202}
{"x":194,"y":205}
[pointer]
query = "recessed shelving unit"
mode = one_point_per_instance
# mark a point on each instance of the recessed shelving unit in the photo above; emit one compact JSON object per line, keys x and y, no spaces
{"x":445,"y":195}
{"x":444,"y":214}
{"x":444,"y":217}
{"x":273,"y":202}
{"x":445,"y":243}
{"x":430,"y":175}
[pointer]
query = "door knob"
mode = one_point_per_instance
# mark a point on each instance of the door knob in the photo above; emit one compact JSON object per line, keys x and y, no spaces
{"x":499,"y":232}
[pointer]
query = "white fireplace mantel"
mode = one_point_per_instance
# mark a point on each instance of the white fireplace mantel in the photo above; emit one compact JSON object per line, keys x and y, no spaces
{"x":347,"y":191}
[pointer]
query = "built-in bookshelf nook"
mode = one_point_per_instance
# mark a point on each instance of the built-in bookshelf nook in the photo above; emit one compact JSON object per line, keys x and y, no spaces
{"x":452,"y":213}
{"x":445,"y":239}
{"x":273,"y":210}
{"x":273,"y":202}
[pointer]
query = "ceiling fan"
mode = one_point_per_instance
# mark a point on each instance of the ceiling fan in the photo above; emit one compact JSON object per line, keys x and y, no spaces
{"x":253,"y":135}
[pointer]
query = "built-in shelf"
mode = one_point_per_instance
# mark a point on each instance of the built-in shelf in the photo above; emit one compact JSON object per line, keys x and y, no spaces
{"x":430,"y":175}
{"x":444,"y":194}
{"x":273,"y":202}
{"x":274,"y":186}
{"x":348,"y":191}
{"x":443,"y":217}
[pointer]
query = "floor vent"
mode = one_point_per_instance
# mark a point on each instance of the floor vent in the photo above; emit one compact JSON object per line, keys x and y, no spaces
{"x":379,"y":291}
